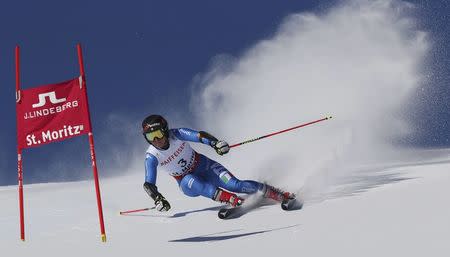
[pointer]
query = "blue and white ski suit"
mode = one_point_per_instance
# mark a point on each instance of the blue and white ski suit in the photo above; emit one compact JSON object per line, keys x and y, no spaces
{"x":195,"y":173}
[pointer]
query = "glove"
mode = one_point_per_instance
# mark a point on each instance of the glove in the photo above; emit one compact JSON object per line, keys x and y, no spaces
{"x":221,"y":147}
{"x":162,"y":204}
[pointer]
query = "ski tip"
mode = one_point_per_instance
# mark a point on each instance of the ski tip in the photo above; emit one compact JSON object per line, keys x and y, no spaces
{"x":222,"y":214}
{"x":292,"y":204}
{"x":230,"y":213}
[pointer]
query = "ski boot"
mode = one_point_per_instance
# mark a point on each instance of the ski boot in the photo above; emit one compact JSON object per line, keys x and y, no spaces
{"x":285,"y":198}
{"x":275,"y":193}
{"x":227,"y":197}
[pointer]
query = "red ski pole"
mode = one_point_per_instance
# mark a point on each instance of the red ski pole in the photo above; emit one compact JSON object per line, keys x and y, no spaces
{"x":279,"y":132}
{"x":138,"y":210}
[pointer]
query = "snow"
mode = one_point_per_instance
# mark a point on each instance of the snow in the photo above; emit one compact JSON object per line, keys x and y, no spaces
{"x":406,"y":217}
{"x":363,"y":195}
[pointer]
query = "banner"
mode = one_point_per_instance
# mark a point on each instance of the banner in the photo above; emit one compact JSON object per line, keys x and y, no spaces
{"x":52,"y":113}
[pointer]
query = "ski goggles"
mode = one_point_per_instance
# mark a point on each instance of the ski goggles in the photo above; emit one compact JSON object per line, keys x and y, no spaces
{"x":154,"y":134}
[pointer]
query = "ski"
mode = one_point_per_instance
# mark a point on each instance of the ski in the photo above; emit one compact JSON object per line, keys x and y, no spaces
{"x":289,"y":204}
{"x":249,"y":204}
{"x":230,"y":213}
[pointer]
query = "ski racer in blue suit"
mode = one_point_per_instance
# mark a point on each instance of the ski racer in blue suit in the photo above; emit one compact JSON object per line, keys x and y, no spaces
{"x":196,"y":174}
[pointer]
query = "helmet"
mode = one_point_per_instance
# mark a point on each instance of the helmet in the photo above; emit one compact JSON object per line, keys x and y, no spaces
{"x":153,"y":123}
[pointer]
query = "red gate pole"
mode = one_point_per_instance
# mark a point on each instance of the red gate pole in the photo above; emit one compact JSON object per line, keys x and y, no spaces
{"x":91,"y":144}
{"x":19,"y":150}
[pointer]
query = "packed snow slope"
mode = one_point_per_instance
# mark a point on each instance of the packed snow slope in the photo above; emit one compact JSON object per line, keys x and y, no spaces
{"x":366,"y":191}
{"x":400,"y":210}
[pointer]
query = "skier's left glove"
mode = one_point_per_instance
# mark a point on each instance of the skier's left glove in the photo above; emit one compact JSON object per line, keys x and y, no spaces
{"x":221,"y":147}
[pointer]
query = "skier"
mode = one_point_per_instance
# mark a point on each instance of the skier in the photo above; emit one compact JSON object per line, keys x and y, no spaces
{"x":195,"y":173}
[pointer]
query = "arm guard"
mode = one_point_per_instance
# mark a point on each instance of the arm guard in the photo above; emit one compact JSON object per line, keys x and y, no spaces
{"x":152,"y":191}
{"x":206,"y":138}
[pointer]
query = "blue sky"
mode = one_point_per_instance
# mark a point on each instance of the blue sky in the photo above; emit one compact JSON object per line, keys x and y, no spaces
{"x":142,"y":56}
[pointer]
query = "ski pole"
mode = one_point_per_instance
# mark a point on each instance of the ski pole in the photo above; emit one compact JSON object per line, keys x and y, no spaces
{"x":138,"y":210}
{"x":279,"y":132}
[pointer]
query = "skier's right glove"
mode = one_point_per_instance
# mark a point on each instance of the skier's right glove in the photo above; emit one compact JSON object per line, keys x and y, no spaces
{"x":161,"y":203}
